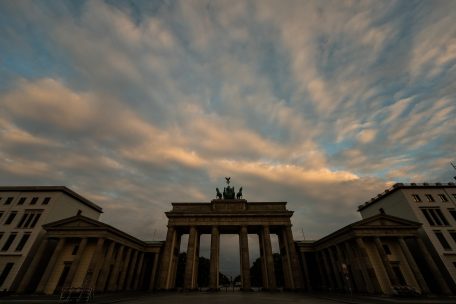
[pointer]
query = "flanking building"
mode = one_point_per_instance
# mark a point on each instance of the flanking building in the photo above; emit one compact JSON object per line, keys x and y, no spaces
{"x":434,"y":206}
{"x":23,"y":212}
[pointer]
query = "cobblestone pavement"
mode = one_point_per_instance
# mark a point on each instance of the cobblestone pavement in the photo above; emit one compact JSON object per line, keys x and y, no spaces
{"x":229,"y":298}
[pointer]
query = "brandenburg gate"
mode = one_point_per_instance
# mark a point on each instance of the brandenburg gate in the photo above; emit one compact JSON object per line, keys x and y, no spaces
{"x":230,"y":214}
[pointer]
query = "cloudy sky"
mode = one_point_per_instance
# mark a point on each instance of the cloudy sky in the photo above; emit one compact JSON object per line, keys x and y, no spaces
{"x":138,"y":104}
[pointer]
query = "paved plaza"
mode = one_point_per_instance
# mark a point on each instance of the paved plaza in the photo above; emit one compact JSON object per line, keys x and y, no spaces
{"x":229,"y":298}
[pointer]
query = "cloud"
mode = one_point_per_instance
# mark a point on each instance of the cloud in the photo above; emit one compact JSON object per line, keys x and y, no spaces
{"x":321,"y":104}
{"x":366,"y":136}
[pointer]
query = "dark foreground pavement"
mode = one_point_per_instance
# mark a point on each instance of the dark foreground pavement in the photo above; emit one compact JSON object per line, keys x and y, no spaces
{"x":230,"y":298}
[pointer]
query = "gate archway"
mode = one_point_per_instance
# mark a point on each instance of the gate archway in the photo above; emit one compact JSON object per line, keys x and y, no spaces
{"x":230,"y":216}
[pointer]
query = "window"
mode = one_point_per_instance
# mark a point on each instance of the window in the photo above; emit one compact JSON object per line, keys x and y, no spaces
{"x":453,"y":235}
{"x":5,"y":272}
{"x":430,"y":198}
{"x":35,"y":220}
{"x":29,"y":219}
{"x":453,"y":213}
{"x":9,"y":241}
{"x":443,"y":198}
{"x":46,"y":200}
{"x":22,"y":242}
{"x":21,"y":201}
{"x":434,"y":216}
{"x":399,"y":274}
{"x":441,"y":216}
{"x":21,"y":222}
{"x":416,"y":197}
{"x":10,"y":217}
{"x":442,"y":240}
{"x":8,"y":201}
{"x":75,"y":249}
{"x":387,"y":249}
{"x":33,"y":201}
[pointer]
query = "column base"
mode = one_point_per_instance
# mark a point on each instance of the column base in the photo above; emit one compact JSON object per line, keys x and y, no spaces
{"x":246,"y":289}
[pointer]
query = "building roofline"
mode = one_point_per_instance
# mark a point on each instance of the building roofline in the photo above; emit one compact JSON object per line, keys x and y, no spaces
{"x":398,"y":186}
{"x":63,"y":189}
{"x":361,"y":222}
{"x":56,"y":226}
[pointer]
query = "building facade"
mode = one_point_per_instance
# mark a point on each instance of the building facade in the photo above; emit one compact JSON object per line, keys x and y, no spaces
{"x":23,"y":212}
{"x":81,"y":252}
{"x":432,"y":205}
{"x":381,"y":254}
{"x":68,"y":247}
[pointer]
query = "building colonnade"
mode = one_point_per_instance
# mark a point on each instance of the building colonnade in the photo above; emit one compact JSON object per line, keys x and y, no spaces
{"x":291,"y":265}
{"x":100,"y":263}
{"x":366,"y":264}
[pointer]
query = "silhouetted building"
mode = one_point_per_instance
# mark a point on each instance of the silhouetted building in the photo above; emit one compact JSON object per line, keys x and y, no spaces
{"x":434,"y":206}
{"x":52,"y":240}
{"x":23,"y":211}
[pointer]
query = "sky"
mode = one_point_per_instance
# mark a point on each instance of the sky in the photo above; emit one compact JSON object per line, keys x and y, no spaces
{"x":137,"y":104}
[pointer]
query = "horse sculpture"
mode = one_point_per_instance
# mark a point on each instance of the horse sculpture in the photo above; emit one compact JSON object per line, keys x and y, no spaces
{"x":219,"y":195}
{"x":239,"y":194}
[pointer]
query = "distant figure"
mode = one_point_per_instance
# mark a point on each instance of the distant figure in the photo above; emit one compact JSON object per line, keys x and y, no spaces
{"x":219,"y":195}
{"x":239,"y":194}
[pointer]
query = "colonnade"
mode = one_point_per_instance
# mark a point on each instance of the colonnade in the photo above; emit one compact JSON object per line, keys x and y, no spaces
{"x":291,"y":265}
{"x":359,"y":273}
{"x":112,"y":265}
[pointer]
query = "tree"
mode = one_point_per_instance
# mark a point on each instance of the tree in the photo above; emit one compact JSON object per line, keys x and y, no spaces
{"x":204,"y":265}
{"x":255,"y":271}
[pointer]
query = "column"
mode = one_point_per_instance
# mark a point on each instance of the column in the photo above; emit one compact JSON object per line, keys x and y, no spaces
{"x":360,"y":284}
{"x":154,"y":272}
{"x":124,"y":271}
{"x":335,"y":269}
{"x":264,"y":269}
{"x":328,"y":270}
{"x":366,"y":266}
{"x":131,"y":270}
{"x":345,"y":276}
{"x":112,"y":285}
{"x":175,"y":260}
{"x":95,"y":264}
{"x":137,"y":274}
{"x":75,"y":264}
{"x":433,"y":267}
{"x":244,"y":254}
{"x":269,"y":258}
{"x":386,"y":263}
{"x":103,"y":276}
{"x":166,"y":261}
{"x":33,"y":266}
{"x":142,"y":273}
{"x":416,"y":271}
{"x":294,"y":261}
{"x":286,"y":262}
{"x":191,"y":266}
{"x":215,"y":255}
{"x":50,"y":266}
{"x":305,"y":269}
{"x":323,"y":273}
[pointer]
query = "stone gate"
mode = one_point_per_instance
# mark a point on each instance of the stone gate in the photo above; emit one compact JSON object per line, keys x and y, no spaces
{"x":230,"y":216}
